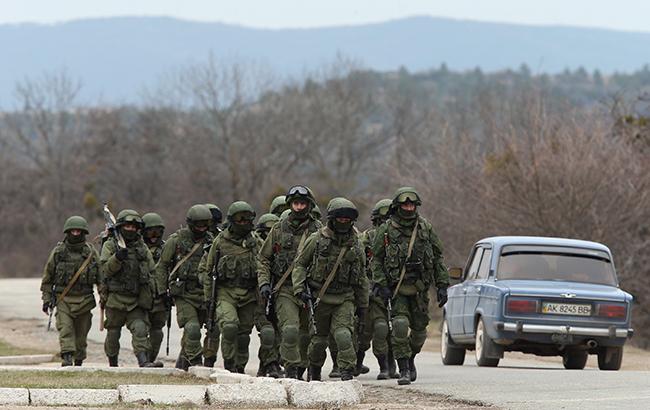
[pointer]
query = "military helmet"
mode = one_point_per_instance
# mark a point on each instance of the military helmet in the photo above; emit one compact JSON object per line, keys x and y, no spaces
{"x":342,"y":208}
{"x":267,"y":220}
{"x":238,"y":207}
{"x":381,"y":209}
{"x":152,"y":220}
{"x":279,"y":201}
{"x":129,"y":216}
{"x":75,"y":222}
{"x":299,"y":191}
{"x":198,"y":212}
{"x":316,"y":213}
{"x":405,"y":194}
{"x":217,"y":215}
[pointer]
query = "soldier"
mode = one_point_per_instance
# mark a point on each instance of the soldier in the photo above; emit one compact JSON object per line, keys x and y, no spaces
{"x":331,"y":267}
{"x":264,"y":225}
{"x":278,"y":205}
{"x":179,"y":262}
{"x":68,"y":278}
{"x":217,"y":217}
{"x":232,"y":260}
{"x":154,"y":229}
{"x":275,"y":263}
{"x":376,"y":326}
{"x":407,"y":260}
{"x":127,"y":274}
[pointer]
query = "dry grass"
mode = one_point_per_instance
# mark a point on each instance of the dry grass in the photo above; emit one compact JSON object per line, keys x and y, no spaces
{"x":88,"y":380}
{"x":7,"y":349}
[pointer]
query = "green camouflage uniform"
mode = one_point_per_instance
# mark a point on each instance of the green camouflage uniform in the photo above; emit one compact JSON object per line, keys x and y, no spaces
{"x":158,"y":313}
{"x":73,"y":313}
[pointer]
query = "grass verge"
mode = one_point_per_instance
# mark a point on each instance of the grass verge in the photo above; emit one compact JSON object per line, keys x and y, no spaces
{"x":88,"y":380}
{"x":7,"y":349}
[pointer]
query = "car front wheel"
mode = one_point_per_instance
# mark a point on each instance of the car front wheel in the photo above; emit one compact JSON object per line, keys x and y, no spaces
{"x":483,"y":344}
{"x":451,"y":355}
{"x":574,"y":359}
{"x":610,"y":358}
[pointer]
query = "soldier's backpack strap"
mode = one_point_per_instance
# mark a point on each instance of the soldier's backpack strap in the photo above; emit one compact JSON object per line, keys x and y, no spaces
{"x":78,"y":273}
{"x":293,"y":262}
{"x":330,"y":277}
{"x":408,"y":255}
{"x":185,"y":258}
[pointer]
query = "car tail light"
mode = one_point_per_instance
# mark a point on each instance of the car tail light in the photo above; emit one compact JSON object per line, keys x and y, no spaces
{"x":521,"y":306}
{"x":612,"y":311}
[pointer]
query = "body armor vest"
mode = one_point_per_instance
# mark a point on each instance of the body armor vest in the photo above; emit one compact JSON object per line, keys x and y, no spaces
{"x":67,"y":264}
{"x":286,"y":249}
{"x":349,"y":271}
{"x":236,"y":266}
{"x":420,"y":265}
{"x":134,"y":272}
{"x":188,"y":272}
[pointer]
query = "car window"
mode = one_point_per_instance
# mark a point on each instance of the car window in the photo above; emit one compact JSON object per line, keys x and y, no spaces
{"x":484,"y":267}
{"x":473,"y":267}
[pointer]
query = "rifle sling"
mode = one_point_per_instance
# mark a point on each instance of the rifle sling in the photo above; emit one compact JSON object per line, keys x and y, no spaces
{"x":330,"y":277}
{"x":82,"y":268}
{"x":408,"y":255}
{"x":292,"y":264}
{"x":185,"y":258}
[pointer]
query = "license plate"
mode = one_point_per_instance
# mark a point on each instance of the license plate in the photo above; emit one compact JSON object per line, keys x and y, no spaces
{"x":566,"y":309}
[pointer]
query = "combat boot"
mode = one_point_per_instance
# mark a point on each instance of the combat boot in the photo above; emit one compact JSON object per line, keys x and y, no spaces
{"x":182,"y":363}
{"x":404,"y":373}
{"x":239,"y":369}
{"x":346,"y":374}
{"x":392,"y":366}
{"x":300,"y":371}
{"x":143,"y":360}
{"x":112,"y":361}
{"x":273,"y":370}
{"x":383,"y":367}
{"x":156,"y":363}
{"x":412,"y":369}
{"x":196,"y":361}
{"x":66,"y":359}
{"x":261,"y":371}
{"x":291,"y":372}
{"x":78,"y":362}
{"x":209,"y":361}
{"x":313,"y":375}
{"x":229,"y":364}
{"x":360,"y":368}
{"x":335,"y":373}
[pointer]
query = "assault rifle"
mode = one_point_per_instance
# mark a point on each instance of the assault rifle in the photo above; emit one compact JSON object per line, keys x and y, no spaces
{"x":389,"y":312}
{"x":310,"y":306}
{"x":168,"y":305}
{"x":52,"y":306}
{"x":212,"y":303}
{"x":110,"y":230}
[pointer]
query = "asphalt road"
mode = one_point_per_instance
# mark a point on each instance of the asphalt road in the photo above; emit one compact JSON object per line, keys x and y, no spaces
{"x":515,"y":384}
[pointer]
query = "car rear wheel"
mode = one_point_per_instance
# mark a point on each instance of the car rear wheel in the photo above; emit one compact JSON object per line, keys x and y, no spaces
{"x":610,"y":358}
{"x":484,"y":344}
{"x":451,"y":355}
{"x":574,"y":359}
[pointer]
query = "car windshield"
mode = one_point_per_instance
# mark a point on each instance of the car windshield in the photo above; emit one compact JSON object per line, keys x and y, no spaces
{"x":550,"y":264}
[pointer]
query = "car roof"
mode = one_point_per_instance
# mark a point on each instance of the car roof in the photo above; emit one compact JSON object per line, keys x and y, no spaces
{"x":500,"y":241}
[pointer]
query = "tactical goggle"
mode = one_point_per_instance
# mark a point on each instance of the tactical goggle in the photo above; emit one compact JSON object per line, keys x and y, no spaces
{"x":408,"y":197}
{"x":298,"y":190}
{"x":243,"y":217}
{"x":153,"y":232}
{"x":345,"y":213}
{"x":201,"y":224}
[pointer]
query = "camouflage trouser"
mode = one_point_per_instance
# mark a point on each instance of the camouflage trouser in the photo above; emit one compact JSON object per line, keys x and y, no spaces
{"x":339,"y":321}
{"x":377,"y":324}
{"x":293,"y":324}
{"x":269,"y":350}
{"x":136,"y":321}
{"x":190,"y":319}
{"x":409,"y":312}
{"x":211,"y":344}
{"x":236,"y":316}
{"x":73,"y":321}
{"x":157,"y":322}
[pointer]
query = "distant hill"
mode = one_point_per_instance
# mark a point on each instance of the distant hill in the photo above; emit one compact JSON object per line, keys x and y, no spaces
{"x":116,"y":57}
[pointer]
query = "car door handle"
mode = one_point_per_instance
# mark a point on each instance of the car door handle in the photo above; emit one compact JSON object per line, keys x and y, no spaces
{"x":464,"y":290}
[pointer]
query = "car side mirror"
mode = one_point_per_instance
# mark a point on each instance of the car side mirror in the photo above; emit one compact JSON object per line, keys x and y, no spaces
{"x":456,"y":273}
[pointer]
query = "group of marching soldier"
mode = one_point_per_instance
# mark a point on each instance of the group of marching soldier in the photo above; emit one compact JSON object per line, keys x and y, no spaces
{"x":303,"y":285}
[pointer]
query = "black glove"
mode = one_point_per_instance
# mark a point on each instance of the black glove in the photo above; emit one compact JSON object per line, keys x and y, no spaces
{"x":46,"y":307}
{"x":305,"y":297}
{"x":361,"y":314}
{"x":122,"y":254}
{"x":384,"y":292}
{"x":265,"y":291}
{"x":442,"y":296}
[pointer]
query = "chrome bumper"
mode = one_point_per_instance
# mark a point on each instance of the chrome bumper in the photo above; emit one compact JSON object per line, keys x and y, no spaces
{"x":520,"y":327}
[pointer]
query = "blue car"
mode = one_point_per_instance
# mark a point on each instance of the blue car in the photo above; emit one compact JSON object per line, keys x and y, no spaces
{"x":545,"y":296}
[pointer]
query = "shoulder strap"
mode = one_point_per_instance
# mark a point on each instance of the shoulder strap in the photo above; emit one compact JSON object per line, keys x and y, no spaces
{"x":70,"y":284}
{"x":330,"y":277}
{"x":293,"y":262}
{"x":185,"y":258}
{"x":408,"y":255}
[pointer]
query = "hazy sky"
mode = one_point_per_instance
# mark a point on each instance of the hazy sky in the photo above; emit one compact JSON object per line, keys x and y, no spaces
{"x":615,"y":14}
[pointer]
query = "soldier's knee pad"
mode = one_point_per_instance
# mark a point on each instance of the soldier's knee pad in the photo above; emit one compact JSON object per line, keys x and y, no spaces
{"x":229,"y":332}
{"x":193,"y":330}
{"x":139,"y":328}
{"x":343,"y":339}
{"x":290,"y":335}
{"x":401,"y":327}
{"x":267,"y":336}
{"x":380,"y":329}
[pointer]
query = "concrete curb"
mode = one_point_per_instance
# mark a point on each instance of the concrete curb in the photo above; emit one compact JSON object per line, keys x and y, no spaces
{"x":325,"y":394}
{"x":264,"y":395}
{"x":162,"y":394}
{"x":17,"y":397}
{"x":73,"y":397}
{"x":170,"y":371}
{"x":26,"y":359}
